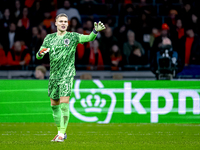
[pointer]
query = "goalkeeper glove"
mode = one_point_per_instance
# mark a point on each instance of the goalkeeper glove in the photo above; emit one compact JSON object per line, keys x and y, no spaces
{"x":99,"y":26}
{"x":43,"y":51}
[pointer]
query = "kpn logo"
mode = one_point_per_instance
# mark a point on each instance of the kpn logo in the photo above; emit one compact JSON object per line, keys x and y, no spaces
{"x":91,"y":102}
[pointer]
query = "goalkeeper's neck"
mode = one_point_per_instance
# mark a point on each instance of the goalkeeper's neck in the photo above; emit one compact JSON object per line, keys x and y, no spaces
{"x":60,"y":33}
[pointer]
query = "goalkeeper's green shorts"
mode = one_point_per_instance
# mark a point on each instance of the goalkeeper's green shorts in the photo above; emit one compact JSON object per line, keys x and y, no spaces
{"x":60,"y":87}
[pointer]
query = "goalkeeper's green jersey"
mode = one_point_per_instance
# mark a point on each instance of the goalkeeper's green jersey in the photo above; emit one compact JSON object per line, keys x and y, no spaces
{"x":62,"y":52}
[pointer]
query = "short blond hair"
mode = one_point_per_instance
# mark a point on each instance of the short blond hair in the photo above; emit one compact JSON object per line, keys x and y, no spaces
{"x":61,"y":15}
{"x":42,"y":69}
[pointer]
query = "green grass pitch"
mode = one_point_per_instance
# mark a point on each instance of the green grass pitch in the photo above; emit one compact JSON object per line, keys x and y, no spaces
{"x":91,"y":136}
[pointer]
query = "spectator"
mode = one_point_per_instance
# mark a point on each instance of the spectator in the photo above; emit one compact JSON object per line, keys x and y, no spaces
{"x":111,"y":21}
{"x":53,"y":8}
{"x":121,"y":32}
{"x":132,"y":48}
{"x":45,"y":60}
{"x":88,"y":27}
{"x":36,"y":14}
{"x":195,"y":23}
{"x":143,"y":30}
{"x":40,"y":72}
{"x":80,"y":30}
{"x":70,"y":12}
{"x":25,"y":20}
{"x":154,"y":34}
{"x":48,"y":22}
{"x":86,"y":76}
{"x":23,"y":33}
{"x":171,"y":21}
{"x":95,"y":57}
{"x":179,"y":28}
{"x":35,"y":44}
{"x":4,"y":26}
{"x":117,"y":76}
{"x":186,"y":12}
{"x":3,"y":59}
{"x":35,"y":39}
{"x":177,"y":32}
{"x":189,"y":50}
{"x":81,"y":49}
{"x":74,"y":24}
{"x":116,"y":57}
{"x":106,"y":42}
{"x":10,"y":37}
{"x":158,"y":40}
{"x":17,"y":11}
{"x":18,"y":55}
{"x":43,"y":33}
{"x":137,"y":57}
{"x":127,"y":10}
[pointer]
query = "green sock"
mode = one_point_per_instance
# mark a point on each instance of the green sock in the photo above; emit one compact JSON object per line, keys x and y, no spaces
{"x":64,"y":117}
{"x":56,"y":115}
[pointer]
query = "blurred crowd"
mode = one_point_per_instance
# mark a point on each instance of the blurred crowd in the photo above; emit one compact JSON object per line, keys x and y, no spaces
{"x":135,"y":32}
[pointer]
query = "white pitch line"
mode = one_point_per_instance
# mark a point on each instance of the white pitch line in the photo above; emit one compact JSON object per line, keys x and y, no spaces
{"x":17,"y":114}
{"x":196,"y":134}
{"x":24,"y":102}
{"x":115,"y":90}
{"x":117,"y":110}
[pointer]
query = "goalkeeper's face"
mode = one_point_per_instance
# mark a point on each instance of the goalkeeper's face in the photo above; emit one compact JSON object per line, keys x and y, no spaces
{"x":62,"y":24}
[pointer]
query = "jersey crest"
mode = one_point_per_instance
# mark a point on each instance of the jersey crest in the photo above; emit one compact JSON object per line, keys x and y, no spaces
{"x":66,"y":42}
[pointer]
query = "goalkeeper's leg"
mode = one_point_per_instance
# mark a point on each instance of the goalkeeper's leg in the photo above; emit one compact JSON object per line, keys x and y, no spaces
{"x":65,"y":93}
{"x":57,"y":117}
{"x":53,"y":93}
{"x":56,"y":112}
{"x":64,"y":105}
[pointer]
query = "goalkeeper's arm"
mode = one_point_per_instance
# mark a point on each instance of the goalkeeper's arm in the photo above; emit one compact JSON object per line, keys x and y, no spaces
{"x":87,"y":38}
{"x":40,"y":54}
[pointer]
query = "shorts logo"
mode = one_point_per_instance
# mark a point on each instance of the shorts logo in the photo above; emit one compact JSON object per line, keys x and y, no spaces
{"x":66,"y":42}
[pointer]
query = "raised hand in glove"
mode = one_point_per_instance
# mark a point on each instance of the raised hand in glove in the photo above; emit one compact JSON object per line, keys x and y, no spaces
{"x":99,"y":26}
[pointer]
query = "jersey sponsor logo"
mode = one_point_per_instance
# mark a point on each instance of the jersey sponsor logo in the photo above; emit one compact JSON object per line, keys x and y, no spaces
{"x":66,"y":42}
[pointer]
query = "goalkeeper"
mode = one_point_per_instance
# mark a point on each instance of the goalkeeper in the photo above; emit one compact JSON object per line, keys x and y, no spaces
{"x":61,"y":47}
